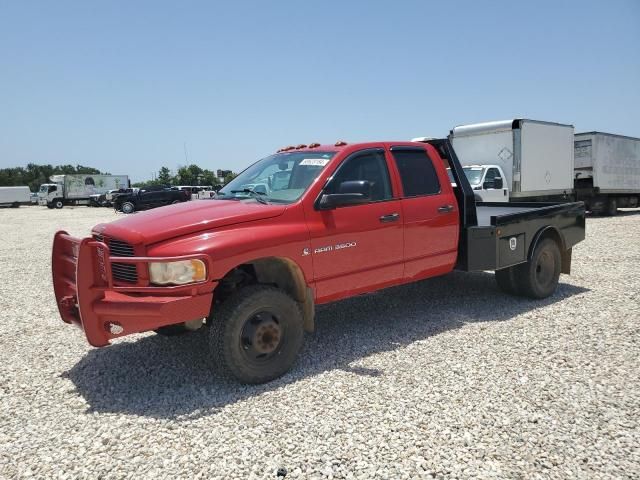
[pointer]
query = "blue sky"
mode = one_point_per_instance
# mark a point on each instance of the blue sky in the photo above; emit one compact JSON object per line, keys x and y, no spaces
{"x":122,"y":85}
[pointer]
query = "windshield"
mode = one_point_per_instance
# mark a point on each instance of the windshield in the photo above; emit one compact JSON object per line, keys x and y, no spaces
{"x":474,"y":174}
{"x":280,"y":178}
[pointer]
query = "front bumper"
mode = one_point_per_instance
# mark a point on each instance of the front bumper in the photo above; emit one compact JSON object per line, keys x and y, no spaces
{"x":87,"y":297}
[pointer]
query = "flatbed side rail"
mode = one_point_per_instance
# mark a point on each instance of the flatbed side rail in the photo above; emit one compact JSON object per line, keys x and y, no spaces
{"x":532,"y":210}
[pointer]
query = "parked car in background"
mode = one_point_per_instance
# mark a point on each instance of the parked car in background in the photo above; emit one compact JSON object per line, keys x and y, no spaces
{"x":150,"y":197}
{"x":197,"y":192}
{"x":14,"y":196}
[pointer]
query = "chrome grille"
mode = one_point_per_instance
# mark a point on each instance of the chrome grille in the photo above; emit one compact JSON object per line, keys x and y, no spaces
{"x":125,"y":272}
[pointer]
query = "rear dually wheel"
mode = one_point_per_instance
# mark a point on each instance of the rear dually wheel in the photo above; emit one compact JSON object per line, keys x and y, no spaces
{"x":538,"y":278}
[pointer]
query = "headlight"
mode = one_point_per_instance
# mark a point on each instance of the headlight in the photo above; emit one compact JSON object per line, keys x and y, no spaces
{"x":177,"y":273}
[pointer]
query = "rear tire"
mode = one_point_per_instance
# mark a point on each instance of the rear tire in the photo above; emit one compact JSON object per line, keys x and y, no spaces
{"x":256,"y":334}
{"x":507,"y":281}
{"x":612,"y":207}
{"x":128,"y":207}
{"x":538,"y":278}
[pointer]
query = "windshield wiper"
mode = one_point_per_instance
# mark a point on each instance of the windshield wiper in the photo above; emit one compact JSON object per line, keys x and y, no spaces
{"x":254,"y":194}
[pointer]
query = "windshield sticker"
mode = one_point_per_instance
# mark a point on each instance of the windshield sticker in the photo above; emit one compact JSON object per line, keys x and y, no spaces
{"x":315,"y":162}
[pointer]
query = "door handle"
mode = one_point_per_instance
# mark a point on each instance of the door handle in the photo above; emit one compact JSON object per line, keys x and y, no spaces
{"x":445,"y":209}
{"x":392,"y":217}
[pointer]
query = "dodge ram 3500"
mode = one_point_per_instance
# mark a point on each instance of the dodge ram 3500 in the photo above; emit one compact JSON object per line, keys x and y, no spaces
{"x":305,"y":226}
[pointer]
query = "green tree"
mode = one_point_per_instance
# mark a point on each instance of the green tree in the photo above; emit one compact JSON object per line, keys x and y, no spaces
{"x":164,"y":176}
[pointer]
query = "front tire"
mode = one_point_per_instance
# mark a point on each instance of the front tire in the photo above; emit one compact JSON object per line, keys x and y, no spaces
{"x":128,"y":207}
{"x":58,"y":204}
{"x":538,"y":278}
{"x":256,"y":334}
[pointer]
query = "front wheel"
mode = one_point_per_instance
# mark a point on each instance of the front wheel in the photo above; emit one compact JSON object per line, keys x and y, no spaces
{"x":256,"y":334}
{"x":128,"y":207}
{"x":538,"y":278}
{"x":58,"y":203}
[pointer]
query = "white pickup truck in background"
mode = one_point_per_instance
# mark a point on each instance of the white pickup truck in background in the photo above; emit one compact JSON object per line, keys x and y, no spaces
{"x":487,"y":181}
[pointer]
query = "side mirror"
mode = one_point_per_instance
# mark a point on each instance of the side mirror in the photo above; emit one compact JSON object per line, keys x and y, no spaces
{"x":497,"y":182}
{"x":352,"y":192}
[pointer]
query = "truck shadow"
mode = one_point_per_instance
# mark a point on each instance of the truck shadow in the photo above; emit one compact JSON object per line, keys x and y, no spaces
{"x":172,"y":377}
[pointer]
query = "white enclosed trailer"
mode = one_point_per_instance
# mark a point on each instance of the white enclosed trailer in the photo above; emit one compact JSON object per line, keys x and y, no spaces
{"x":77,"y":189}
{"x":14,"y":196}
{"x":607,"y":171}
{"x":536,"y":157}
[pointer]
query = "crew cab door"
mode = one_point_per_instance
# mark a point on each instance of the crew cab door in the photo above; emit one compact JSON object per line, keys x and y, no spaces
{"x":494,"y":186}
{"x":429,"y":210}
{"x":357,"y":248}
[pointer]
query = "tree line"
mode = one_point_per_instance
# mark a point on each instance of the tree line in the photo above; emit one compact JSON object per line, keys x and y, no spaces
{"x":34,"y":175}
{"x":187,"y":175}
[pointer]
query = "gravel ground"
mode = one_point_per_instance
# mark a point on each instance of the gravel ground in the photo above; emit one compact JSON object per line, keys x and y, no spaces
{"x":445,"y":378}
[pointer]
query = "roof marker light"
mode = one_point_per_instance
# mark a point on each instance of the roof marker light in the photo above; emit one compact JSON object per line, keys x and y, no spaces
{"x":314,"y":145}
{"x":302,"y":145}
{"x":340,"y":143}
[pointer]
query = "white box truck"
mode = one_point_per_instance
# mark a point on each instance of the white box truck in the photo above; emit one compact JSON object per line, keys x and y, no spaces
{"x":14,"y":196}
{"x":607,"y":171}
{"x":77,"y":189}
{"x":517,"y":159}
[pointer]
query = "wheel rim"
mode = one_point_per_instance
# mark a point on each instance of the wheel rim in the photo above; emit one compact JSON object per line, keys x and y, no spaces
{"x":262,"y":337}
{"x":127,"y":208}
{"x":545,"y":267}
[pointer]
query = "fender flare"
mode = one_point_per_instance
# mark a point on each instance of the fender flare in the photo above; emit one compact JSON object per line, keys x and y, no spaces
{"x":552,"y":232}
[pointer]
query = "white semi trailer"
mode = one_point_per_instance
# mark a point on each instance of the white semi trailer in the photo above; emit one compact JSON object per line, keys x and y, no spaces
{"x":14,"y":196}
{"x":77,"y":189}
{"x":607,"y":171}
{"x":517,"y":159}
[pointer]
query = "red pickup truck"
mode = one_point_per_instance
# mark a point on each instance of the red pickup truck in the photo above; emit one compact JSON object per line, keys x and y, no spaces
{"x":305,"y":226}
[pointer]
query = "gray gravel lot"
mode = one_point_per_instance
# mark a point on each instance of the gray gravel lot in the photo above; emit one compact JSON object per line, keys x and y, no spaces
{"x":446,"y":378}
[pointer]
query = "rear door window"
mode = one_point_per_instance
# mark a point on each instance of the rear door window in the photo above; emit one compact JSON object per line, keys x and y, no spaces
{"x":417,"y":173}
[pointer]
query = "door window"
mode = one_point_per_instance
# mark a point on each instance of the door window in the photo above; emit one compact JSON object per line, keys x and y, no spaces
{"x":370,"y":166}
{"x":490,"y":178}
{"x":416,"y":172}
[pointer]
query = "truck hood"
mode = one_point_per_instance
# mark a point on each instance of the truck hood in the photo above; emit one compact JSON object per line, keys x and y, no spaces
{"x":185,"y":218}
